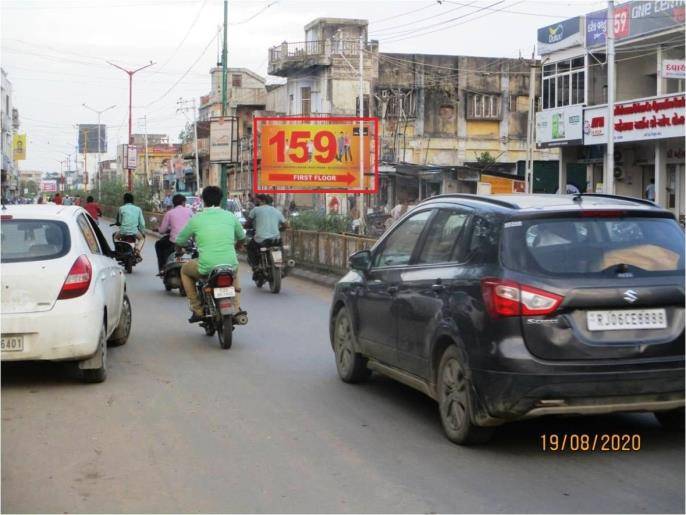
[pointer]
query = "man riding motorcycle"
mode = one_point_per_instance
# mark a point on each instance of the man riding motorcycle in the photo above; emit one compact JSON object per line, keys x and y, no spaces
{"x":174,"y":220}
{"x":267,"y":222}
{"x":130,"y":221}
{"x":217,"y":233}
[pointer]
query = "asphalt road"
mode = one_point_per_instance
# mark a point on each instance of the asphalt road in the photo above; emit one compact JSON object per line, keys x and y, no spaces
{"x":181,"y":425}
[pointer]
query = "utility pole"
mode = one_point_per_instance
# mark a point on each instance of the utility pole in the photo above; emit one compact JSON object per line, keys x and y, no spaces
{"x":99,"y":113}
{"x":223,"y":179}
{"x":184,"y":107}
{"x":609,"y":175}
{"x":362,"y":208}
{"x":130,"y":73}
{"x":85,"y":159}
{"x":530,"y":137}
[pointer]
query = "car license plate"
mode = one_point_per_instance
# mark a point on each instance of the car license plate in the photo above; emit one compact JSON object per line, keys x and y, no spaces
{"x":222,"y":293}
{"x":620,"y":320}
{"x":277,"y":257}
{"x":12,"y":343}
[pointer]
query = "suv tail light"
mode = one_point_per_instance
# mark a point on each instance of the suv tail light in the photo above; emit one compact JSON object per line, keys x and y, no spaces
{"x":78,"y":280}
{"x":509,"y":298}
{"x":223,"y":280}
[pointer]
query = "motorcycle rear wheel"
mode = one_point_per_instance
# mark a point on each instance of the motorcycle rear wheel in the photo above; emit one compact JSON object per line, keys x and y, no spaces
{"x":275,"y":283}
{"x":225,"y":332}
{"x":128,"y":266}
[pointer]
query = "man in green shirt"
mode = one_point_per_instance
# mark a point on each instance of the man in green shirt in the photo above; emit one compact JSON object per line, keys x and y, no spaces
{"x":216,"y":232}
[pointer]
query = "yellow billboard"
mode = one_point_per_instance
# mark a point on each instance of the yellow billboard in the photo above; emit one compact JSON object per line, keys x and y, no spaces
{"x":19,"y":147}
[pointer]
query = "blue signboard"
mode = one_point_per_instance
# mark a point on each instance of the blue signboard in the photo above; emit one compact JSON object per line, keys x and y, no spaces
{"x":560,"y":35}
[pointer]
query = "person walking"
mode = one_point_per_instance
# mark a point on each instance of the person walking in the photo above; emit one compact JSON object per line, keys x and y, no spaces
{"x":650,"y":190}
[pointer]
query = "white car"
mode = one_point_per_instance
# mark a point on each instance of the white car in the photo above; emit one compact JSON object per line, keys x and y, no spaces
{"x":63,"y":294}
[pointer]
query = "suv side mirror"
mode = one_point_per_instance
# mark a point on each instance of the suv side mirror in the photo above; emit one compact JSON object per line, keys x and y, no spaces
{"x":361,"y":261}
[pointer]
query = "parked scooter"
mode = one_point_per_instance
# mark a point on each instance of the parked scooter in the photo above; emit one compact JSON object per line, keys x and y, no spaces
{"x":128,"y":253}
{"x":221,"y":312}
{"x":271,"y":266}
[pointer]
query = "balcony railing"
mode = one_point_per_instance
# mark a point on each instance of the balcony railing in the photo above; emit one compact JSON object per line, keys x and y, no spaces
{"x":289,"y":55}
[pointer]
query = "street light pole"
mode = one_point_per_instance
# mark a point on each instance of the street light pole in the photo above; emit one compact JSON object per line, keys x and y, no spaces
{"x":99,"y":113}
{"x":130,"y":73}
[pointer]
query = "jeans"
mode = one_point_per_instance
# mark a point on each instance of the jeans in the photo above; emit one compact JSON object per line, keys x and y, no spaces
{"x":163,"y":248}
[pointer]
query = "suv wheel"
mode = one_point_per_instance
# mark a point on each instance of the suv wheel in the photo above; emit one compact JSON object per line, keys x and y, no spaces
{"x":454,"y":401}
{"x":351,"y":366}
{"x":672,"y":420}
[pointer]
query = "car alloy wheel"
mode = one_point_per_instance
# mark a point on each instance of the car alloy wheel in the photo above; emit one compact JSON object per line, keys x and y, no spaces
{"x":454,"y":395}
{"x":344,"y":344}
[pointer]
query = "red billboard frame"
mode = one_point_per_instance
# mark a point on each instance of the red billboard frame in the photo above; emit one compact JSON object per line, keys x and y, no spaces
{"x":366,"y":119}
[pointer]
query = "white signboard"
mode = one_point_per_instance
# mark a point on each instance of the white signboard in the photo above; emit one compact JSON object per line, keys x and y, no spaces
{"x":132,"y":157}
{"x":48,"y":186}
{"x":221,"y":139}
{"x":644,"y":119}
{"x":559,"y":127}
{"x":674,"y":69}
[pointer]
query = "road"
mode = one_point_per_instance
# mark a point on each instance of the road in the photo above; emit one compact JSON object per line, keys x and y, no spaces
{"x":183,"y":426}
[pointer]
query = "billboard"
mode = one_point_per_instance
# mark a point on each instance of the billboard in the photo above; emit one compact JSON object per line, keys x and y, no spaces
{"x":634,"y":19}
{"x":131,"y":157}
{"x":561,"y":35}
{"x":559,"y":127}
{"x":315,"y":154}
{"x":223,"y":136}
{"x":49,"y":186}
{"x":19,"y":147}
{"x":88,"y":138}
{"x":645,"y":119}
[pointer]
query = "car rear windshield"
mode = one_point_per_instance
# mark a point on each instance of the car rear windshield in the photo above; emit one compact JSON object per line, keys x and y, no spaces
{"x":33,"y":240}
{"x":600,"y":246}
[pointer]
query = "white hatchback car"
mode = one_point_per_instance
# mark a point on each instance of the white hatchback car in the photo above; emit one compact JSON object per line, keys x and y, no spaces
{"x":63,"y":294}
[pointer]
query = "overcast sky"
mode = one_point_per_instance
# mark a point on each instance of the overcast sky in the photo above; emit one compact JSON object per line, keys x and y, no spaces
{"x":54,"y":51}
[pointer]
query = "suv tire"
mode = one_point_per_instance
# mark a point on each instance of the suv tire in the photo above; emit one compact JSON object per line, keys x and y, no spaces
{"x":454,"y":401}
{"x":351,"y":366}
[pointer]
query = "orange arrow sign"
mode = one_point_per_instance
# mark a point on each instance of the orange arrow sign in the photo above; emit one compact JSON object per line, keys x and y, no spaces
{"x":310,"y":178}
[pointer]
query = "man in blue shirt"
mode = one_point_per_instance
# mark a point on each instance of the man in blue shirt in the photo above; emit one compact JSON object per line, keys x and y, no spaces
{"x":267,"y":222}
{"x":131,"y":222}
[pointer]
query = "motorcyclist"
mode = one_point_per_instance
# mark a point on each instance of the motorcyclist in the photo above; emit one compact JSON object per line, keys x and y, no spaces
{"x":217,"y":232}
{"x":174,"y":220}
{"x":267,"y":222}
{"x":130,"y":221}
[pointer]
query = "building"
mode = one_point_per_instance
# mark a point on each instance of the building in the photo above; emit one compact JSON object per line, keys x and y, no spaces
{"x":442,"y":117}
{"x":9,"y":120}
{"x":108,"y":170}
{"x":648,"y":129}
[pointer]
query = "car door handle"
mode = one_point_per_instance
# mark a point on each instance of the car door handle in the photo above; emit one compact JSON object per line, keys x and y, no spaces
{"x":438,"y":287}
{"x":392,"y":290}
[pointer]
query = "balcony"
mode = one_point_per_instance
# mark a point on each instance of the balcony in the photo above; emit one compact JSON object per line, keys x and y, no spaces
{"x":188,"y":149}
{"x":290,"y":57}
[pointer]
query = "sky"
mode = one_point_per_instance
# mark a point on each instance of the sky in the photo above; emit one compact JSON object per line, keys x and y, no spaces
{"x":56,"y":51}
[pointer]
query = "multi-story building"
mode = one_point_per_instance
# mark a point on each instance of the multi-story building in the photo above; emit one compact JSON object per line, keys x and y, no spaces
{"x":154,"y":155}
{"x":648,"y":129}
{"x":9,"y":120}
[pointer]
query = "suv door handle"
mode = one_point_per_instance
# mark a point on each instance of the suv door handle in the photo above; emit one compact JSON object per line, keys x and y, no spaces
{"x":392,"y":290}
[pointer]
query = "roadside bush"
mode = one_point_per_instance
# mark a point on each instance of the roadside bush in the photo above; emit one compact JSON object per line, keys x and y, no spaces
{"x":313,"y":221}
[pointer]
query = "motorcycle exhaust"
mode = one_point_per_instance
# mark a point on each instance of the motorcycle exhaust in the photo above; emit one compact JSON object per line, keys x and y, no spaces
{"x":241,"y":319}
{"x":290,"y":263}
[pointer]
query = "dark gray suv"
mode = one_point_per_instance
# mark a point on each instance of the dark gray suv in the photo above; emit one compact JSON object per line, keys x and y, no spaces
{"x":514,"y":306}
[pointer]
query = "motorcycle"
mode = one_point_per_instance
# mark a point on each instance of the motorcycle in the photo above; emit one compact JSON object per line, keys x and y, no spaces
{"x":128,"y":254}
{"x":271,"y":266}
{"x":171,"y":273}
{"x":221,"y":313}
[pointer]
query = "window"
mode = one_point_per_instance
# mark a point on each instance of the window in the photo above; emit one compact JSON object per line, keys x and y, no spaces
{"x":33,"y":240}
{"x":442,"y":240}
{"x":306,"y":101}
{"x":563,"y":83}
{"x":88,"y":235}
{"x":236,"y":80}
{"x":398,"y":247}
{"x":483,"y":107}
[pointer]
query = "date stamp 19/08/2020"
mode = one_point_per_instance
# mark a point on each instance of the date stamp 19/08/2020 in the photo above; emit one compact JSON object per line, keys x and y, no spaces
{"x":590,"y":442}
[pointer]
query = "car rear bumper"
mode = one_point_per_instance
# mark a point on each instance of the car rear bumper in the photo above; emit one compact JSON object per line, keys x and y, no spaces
{"x":69,"y":331}
{"x":504,"y":396}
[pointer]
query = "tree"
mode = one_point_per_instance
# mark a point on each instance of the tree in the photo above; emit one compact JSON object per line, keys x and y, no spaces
{"x":485,"y":158}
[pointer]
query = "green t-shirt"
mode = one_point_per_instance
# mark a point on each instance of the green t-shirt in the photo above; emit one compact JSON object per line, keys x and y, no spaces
{"x":131,"y":219}
{"x":216,"y":232}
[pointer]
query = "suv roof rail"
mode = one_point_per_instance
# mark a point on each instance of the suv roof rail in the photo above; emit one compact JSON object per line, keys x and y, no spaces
{"x":619,"y":197}
{"x":478,"y":198}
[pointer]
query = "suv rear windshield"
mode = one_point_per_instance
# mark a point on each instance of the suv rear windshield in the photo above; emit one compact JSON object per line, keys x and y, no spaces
{"x":33,"y":240}
{"x":587,"y":246}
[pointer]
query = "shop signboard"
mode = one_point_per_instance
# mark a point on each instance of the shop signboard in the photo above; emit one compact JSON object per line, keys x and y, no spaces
{"x":674,"y":69}
{"x":559,"y":127}
{"x":19,"y":147}
{"x":222,"y":144}
{"x":48,"y":186}
{"x":634,"y":19}
{"x":644,"y":119}
{"x":560,"y":35}
{"x":132,"y":157}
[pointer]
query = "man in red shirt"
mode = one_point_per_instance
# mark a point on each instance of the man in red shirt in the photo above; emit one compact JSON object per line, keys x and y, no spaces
{"x":93,"y":208}
{"x":57,"y":199}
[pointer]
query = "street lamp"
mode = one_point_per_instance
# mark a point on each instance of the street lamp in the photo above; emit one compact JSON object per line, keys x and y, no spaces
{"x":99,"y":113}
{"x":130,"y":73}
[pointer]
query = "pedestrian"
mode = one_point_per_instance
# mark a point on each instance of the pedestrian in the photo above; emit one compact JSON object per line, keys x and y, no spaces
{"x":93,"y":208}
{"x":650,"y":190}
{"x":77,"y":201}
{"x":167,"y":203}
{"x":57,"y":199}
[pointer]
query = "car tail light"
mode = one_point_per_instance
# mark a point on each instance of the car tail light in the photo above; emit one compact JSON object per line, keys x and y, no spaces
{"x":78,"y":280}
{"x":224,"y":280}
{"x":509,"y":298}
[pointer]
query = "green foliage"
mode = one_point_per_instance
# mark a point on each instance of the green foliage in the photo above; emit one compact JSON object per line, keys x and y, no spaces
{"x":313,"y":221}
{"x":112,"y":194}
{"x":485,"y":158}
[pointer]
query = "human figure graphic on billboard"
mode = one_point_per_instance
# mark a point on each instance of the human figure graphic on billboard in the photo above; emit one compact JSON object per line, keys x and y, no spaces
{"x":346,"y":148}
{"x":340,"y":146}
{"x":310,"y":150}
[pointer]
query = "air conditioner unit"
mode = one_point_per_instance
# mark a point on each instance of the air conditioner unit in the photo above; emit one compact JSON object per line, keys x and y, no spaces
{"x":619,"y":173}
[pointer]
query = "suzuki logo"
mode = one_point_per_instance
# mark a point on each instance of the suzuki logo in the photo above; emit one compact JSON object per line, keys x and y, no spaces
{"x":630,"y":296}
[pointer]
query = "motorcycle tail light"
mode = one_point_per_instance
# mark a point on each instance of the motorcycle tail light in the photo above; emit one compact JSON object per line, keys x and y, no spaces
{"x":78,"y":279}
{"x":508,"y":298}
{"x":224,"y":281}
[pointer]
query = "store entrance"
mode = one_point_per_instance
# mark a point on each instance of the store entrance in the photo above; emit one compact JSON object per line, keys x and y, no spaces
{"x":675,"y":190}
